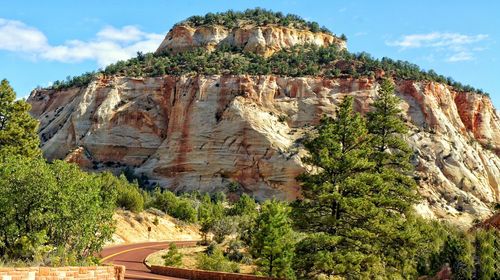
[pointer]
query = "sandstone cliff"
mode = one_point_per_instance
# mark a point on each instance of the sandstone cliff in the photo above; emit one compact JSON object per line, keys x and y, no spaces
{"x":203,"y":132}
{"x":263,"y":40}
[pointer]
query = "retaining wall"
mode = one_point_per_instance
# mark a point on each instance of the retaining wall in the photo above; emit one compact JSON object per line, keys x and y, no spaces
{"x":116,"y":272}
{"x":195,"y":274}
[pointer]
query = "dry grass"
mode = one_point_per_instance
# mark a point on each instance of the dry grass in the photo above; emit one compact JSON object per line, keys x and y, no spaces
{"x":133,"y":228}
{"x":189,"y":259}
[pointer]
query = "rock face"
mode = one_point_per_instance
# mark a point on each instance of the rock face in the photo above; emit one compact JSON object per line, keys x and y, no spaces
{"x":204,"y":132}
{"x":264,"y":40}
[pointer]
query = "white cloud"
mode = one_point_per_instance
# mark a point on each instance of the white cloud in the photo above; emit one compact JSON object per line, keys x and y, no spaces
{"x":458,"y":47}
{"x":126,"y":34}
{"x":17,"y":36}
{"x":109,"y":45}
{"x":461,"y":56}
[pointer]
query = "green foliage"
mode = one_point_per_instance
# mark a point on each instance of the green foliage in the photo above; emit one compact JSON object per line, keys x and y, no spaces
{"x":18,"y":130}
{"x":129,"y":195}
{"x":244,"y":206}
{"x":181,"y":208}
{"x":486,"y":262}
{"x":222,"y":228}
{"x":208,"y":213}
{"x":173,"y":257}
{"x":51,"y":208}
{"x":76,"y":81}
{"x":233,"y":250}
{"x":233,"y":187}
{"x":216,"y":262}
{"x":273,"y":240}
{"x":386,"y":126}
{"x":300,"y":60}
{"x":457,"y":251}
{"x":257,"y":17}
{"x":359,"y":200}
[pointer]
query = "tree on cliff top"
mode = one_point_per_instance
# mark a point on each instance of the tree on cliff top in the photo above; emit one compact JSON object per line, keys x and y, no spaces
{"x":18,"y":130}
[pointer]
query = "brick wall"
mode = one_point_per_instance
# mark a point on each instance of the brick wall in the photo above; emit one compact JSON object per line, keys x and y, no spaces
{"x":57,"y":273}
{"x":195,"y":274}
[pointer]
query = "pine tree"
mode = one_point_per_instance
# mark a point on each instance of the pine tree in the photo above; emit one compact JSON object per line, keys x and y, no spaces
{"x":272,"y":242}
{"x":338,"y":152}
{"x":457,"y":252}
{"x":361,"y":211}
{"x":18,"y":130}
{"x":386,"y":127}
{"x":485,"y":254}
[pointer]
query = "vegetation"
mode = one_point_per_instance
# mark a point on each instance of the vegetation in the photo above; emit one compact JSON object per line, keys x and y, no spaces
{"x":181,"y":208}
{"x":273,"y":240}
{"x":18,"y":131}
{"x":129,"y":195}
{"x":173,"y":257}
{"x":52,"y":209}
{"x":216,"y":261}
{"x":257,"y":17}
{"x":357,"y":206}
{"x":300,"y":60}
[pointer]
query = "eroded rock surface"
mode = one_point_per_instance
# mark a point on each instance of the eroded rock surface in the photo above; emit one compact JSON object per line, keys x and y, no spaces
{"x":204,"y":132}
{"x":263,"y":40}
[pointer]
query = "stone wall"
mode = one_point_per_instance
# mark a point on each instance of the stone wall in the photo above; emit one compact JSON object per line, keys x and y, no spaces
{"x":195,"y":274}
{"x":56,"y":273}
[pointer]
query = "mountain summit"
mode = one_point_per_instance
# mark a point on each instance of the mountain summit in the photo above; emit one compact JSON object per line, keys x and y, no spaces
{"x":228,"y":98}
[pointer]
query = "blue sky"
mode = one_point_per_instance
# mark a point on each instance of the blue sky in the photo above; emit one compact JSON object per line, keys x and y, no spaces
{"x":42,"y":41}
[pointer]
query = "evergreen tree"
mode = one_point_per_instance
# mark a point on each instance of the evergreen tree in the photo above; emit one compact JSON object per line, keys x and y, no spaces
{"x":244,"y":206}
{"x":338,"y":152}
{"x":362,"y":213}
{"x":18,"y":130}
{"x":485,"y":254}
{"x":272,"y":242}
{"x":386,"y":127}
{"x":457,"y":252}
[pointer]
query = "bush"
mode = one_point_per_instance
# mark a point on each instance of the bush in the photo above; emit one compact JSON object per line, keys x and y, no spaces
{"x":173,"y":257}
{"x":129,"y":195}
{"x":216,"y":262}
{"x":222,"y":228}
{"x":51,"y":208}
{"x":233,"y":251}
{"x":257,"y":16}
{"x":298,"y":61}
{"x":181,"y":208}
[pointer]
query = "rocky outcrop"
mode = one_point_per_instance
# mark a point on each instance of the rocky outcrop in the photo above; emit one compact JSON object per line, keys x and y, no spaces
{"x":204,"y":132}
{"x":263,"y":40}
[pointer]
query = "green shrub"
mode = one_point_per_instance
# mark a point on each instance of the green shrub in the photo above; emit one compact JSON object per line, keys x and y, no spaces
{"x":257,"y":16}
{"x":300,"y":60}
{"x":129,"y":195}
{"x":216,"y":262}
{"x":222,"y":228}
{"x":233,"y":251}
{"x":173,"y":257}
{"x":181,"y":208}
{"x":51,"y":208}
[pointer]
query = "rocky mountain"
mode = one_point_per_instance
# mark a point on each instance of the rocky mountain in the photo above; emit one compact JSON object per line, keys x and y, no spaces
{"x":265,"y":40}
{"x":205,"y":131}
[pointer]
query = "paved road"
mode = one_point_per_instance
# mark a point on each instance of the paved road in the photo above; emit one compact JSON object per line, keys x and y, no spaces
{"x":132,"y":257}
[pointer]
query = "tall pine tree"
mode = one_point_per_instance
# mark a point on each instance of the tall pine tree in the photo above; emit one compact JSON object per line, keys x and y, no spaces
{"x":357,"y":200}
{"x":18,"y":130}
{"x":272,"y":242}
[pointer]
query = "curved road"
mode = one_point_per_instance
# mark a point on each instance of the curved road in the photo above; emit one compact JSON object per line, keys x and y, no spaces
{"x":132,"y":256}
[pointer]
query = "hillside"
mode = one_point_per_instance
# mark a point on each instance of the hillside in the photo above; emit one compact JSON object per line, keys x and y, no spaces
{"x":133,"y":228}
{"x":219,"y":104}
